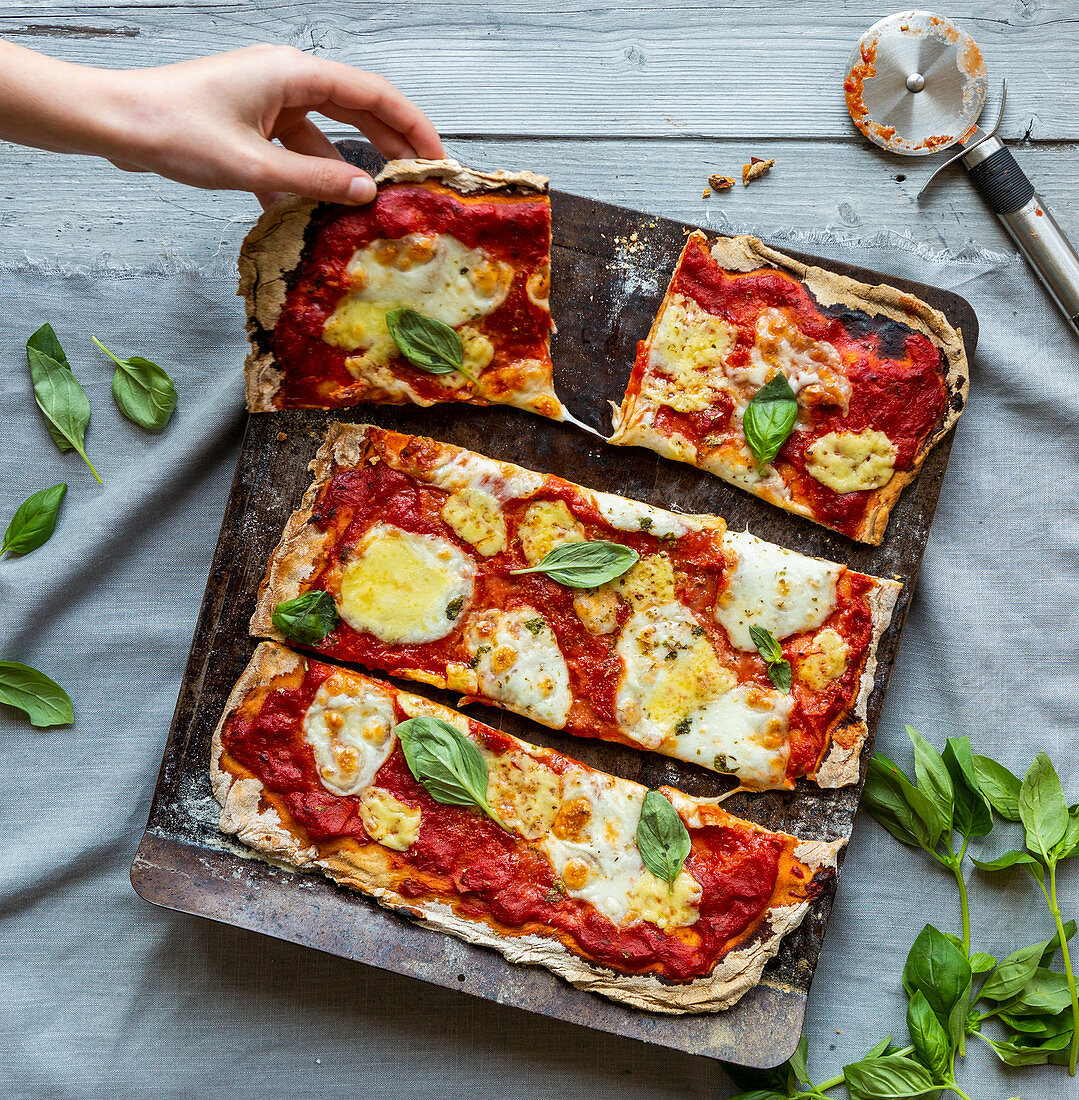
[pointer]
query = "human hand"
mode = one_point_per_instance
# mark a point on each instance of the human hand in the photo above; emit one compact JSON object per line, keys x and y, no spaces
{"x":212,"y":122}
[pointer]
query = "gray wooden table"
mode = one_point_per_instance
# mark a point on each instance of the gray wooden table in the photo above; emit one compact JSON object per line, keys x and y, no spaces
{"x":634,"y":103}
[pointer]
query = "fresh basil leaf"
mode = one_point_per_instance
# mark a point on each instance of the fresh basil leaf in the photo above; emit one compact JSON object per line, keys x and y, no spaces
{"x":767,"y":645}
{"x":775,"y":1081}
{"x":769,"y":418}
{"x":1046,"y":991}
{"x":63,"y":401}
{"x":973,"y":816}
{"x":306,"y":618}
{"x":143,"y":392}
{"x":928,"y":1036}
{"x":448,"y":765}
{"x":981,"y":962}
{"x":34,"y":521}
{"x":933,"y":779}
{"x":1012,"y":1053}
{"x":941,"y":971}
{"x":662,"y":838}
{"x":889,"y":1077}
{"x":585,"y":564}
{"x":1052,"y":946}
{"x":798,"y":1061}
{"x":43,"y":700}
{"x":1013,"y":973}
{"x":1042,"y":807}
{"x":1043,"y":1027}
{"x":779,"y":668}
{"x":921,"y":817}
{"x":878,"y":1049}
{"x":1008,"y":859}
{"x":46,"y":341}
{"x":1069,"y":842}
{"x":999,"y":786}
{"x":885,"y":798}
{"x":428,"y":344}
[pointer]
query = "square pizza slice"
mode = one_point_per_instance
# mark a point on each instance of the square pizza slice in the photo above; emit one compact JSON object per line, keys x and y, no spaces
{"x":815,"y":392}
{"x":651,"y":898}
{"x":437,"y":290}
{"x":584,"y":611}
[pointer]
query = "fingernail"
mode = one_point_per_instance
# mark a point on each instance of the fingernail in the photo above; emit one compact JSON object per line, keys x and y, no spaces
{"x":361,"y":189}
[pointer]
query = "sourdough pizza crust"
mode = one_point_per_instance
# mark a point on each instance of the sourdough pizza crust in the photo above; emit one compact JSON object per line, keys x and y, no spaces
{"x":273,"y":251}
{"x":304,"y":550}
{"x":633,"y":425}
{"x":248,"y":812}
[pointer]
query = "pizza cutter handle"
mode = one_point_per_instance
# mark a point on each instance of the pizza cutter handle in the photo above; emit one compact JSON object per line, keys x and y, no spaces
{"x":1011,"y":196}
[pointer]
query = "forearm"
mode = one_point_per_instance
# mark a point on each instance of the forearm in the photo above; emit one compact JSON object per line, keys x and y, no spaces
{"x":54,"y":105}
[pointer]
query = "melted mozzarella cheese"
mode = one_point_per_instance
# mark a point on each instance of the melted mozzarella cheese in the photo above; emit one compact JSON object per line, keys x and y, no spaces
{"x":524,"y":792}
{"x":437,"y":276}
{"x":629,"y":515}
{"x":825,"y":660}
{"x":476,"y":517}
{"x":389,"y":821}
{"x":547,"y":524}
{"x":465,"y":470}
{"x":743,"y":732}
{"x":781,"y":345}
{"x":775,"y":588}
{"x":670,"y":671}
{"x":520,"y":665}
{"x":851,"y":461}
{"x":403,"y":587}
{"x":350,"y":730}
{"x":598,"y":861}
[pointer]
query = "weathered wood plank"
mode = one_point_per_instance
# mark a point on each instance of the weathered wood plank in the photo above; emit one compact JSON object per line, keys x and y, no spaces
{"x":527,"y":68}
{"x":79,"y":209}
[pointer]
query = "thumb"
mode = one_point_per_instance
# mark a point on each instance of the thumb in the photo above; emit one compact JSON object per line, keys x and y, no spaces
{"x":322,"y":178}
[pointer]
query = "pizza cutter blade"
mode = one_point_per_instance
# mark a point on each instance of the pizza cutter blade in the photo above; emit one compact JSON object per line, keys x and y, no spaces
{"x":916,"y":85}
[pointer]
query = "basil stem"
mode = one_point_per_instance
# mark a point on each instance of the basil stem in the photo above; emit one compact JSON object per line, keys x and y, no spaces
{"x":585,"y":564}
{"x":769,"y":418}
{"x":34,"y":521}
{"x":662,"y":838}
{"x":448,"y":765}
{"x":142,"y":390}
{"x":428,"y":344}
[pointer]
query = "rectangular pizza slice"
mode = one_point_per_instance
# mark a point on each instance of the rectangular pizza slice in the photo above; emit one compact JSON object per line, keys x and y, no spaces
{"x":584,"y":611}
{"x":546,"y":860}
{"x":437,"y":290}
{"x":813,"y":391}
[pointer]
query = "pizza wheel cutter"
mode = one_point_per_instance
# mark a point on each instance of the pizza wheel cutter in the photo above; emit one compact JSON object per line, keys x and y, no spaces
{"x":916,"y":84}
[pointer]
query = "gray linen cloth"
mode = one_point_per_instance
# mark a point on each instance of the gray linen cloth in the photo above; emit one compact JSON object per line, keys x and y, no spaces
{"x":102,"y":995}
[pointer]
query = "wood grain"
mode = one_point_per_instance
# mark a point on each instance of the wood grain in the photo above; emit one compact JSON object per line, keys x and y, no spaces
{"x":554,"y":69}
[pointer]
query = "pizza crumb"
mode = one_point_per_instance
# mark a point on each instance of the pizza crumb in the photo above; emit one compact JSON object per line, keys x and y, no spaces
{"x":720,"y":183}
{"x":755,"y":169}
{"x":707,"y":192}
{"x":281,"y":437}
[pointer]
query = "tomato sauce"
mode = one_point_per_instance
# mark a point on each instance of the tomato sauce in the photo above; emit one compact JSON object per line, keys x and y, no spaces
{"x":354,"y":500}
{"x":486,"y":873}
{"x":895,"y":374}
{"x":513,"y":230}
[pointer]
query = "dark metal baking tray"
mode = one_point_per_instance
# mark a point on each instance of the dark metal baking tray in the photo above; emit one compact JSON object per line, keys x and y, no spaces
{"x":611,"y":267}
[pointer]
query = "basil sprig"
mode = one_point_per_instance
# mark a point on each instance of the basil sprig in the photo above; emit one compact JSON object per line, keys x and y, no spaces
{"x":43,"y":700}
{"x":306,"y":618}
{"x":662,"y":838}
{"x":143,"y":391}
{"x":450,"y":767}
{"x":428,"y":344}
{"x":585,"y":564}
{"x":34,"y":521}
{"x":779,"y":668}
{"x":769,"y":418}
{"x":58,"y":393}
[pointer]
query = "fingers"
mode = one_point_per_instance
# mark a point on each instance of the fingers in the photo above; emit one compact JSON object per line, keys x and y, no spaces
{"x":306,"y":138}
{"x":328,"y":179}
{"x":338,"y":90}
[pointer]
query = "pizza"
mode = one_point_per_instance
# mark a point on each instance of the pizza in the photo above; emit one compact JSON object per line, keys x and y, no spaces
{"x":710,"y":646}
{"x":467,"y":252}
{"x":815,"y":392}
{"x":309,"y":769}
